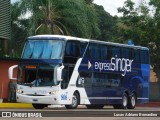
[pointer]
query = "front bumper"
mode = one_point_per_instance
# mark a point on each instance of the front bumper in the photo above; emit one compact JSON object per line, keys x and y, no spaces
{"x":48,"y":99}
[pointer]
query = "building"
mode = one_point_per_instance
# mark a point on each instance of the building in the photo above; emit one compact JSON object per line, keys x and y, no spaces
{"x":5,"y":36}
{"x":5,"y":63}
{"x":5,"y":24}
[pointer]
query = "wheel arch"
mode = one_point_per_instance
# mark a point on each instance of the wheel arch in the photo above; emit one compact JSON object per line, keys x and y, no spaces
{"x":76,"y":91}
{"x":126,"y":92}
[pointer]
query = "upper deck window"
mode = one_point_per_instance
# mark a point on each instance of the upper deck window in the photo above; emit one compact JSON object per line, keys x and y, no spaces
{"x":43,"y":49}
{"x":144,"y":56}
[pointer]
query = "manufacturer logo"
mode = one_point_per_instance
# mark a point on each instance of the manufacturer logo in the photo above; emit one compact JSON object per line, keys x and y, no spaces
{"x":64,"y":96}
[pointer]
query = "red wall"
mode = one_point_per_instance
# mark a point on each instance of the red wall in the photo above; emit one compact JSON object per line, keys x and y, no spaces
{"x":4,"y":79}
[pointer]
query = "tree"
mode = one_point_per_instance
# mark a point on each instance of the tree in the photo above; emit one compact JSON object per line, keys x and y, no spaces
{"x":107,"y":24}
{"x":69,"y":17}
{"x":18,"y":31}
{"x":154,"y":32}
{"x":134,"y":22}
{"x":143,"y":28}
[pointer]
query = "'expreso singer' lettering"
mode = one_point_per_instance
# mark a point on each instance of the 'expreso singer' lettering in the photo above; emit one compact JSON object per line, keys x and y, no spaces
{"x":116,"y":64}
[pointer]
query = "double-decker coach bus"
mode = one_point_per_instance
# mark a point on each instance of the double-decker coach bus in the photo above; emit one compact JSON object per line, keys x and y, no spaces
{"x":70,"y":71}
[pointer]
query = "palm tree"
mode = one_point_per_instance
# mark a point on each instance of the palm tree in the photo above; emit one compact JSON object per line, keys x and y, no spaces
{"x":43,"y":18}
{"x":49,"y":23}
{"x":69,"y":17}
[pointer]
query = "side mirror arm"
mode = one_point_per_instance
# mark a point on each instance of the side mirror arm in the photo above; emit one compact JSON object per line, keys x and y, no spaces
{"x":10,"y":72}
{"x":59,"y":73}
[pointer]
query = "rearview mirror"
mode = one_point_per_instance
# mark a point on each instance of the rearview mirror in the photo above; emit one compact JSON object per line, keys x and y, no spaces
{"x":10,"y":72}
{"x":59,"y":73}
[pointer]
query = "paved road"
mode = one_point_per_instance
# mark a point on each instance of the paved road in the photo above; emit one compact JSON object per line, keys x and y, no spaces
{"x":82,"y":113}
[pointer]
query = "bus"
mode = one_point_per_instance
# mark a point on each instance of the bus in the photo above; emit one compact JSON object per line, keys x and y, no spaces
{"x":73,"y":71}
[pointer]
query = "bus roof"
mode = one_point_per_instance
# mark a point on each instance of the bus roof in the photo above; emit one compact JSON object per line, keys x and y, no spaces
{"x":57,"y":37}
{"x":119,"y":44}
{"x":63,"y":37}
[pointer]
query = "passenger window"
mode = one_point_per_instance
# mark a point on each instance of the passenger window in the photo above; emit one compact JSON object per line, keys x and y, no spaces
{"x":83,"y":48}
{"x":72,"y":49}
{"x":136,"y":56}
{"x":144,"y":56}
{"x":87,"y":79}
{"x":72,"y":52}
{"x":126,"y":53}
{"x":116,"y":52}
{"x":109,"y":52}
{"x":94,"y":51}
{"x":103,"y":52}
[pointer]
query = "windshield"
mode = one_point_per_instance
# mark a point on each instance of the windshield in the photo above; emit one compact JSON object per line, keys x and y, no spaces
{"x":43,"y":49}
{"x":37,"y":75}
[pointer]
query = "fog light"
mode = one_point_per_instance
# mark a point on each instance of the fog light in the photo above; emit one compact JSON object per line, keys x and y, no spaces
{"x":55,"y":99}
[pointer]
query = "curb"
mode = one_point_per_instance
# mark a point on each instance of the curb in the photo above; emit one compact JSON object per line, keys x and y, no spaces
{"x":27,"y":105}
{"x":15,"y":105}
{"x":150,"y":104}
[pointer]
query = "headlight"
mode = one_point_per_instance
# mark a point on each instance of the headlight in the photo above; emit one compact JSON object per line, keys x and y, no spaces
{"x":19,"y":91}
{"x":53,"y":92}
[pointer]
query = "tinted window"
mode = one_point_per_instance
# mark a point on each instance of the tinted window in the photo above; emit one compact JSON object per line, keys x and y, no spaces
{"x":106,"y":80}
{"x":72,"y":49}
{"x":116,"y":52}
{"x":103,"y":52}
{"x":136,"y":56}
{"x":83,"y":48}
{"x":94,"y":51}
{"x":127,"y":53}
{"x":43,"y":49}
{"x":99,"y":80}
{"x":109,"y":52}
{"x":87,"y":76}
{"x":144,"y":56}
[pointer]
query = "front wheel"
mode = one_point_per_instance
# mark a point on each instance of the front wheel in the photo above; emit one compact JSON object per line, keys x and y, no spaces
{"x":39,"y":106}
{"x":75,"y":102}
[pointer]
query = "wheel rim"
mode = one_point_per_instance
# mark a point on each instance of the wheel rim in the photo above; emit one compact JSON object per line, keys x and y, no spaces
{"x":125,"y":101}
{"x":133,"y":101}
{"x":74,"y":100}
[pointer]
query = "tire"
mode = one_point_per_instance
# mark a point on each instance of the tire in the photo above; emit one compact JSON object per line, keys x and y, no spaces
{"x":132,"y":101}
{"x":39,"y":106}
{"x":95,"y":106}
{"x":124,"y":103}
{"x":75,"y":102}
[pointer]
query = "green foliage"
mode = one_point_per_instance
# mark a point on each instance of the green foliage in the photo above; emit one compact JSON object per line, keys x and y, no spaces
{"x":154,"y":32}
{"x":137,"y":24}
{"x":68,"y":17}
{"x":134,"y":20}
{"x":106,"y":23}
{"x":18,"y":31}
{"x":78,"y":17}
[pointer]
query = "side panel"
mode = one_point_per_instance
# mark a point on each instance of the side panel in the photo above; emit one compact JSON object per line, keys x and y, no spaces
{"x":107,"y":87}
{"x":101,"y":86}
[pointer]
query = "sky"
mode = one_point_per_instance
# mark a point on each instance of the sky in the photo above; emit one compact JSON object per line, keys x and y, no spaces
{"x":109,"y":5}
